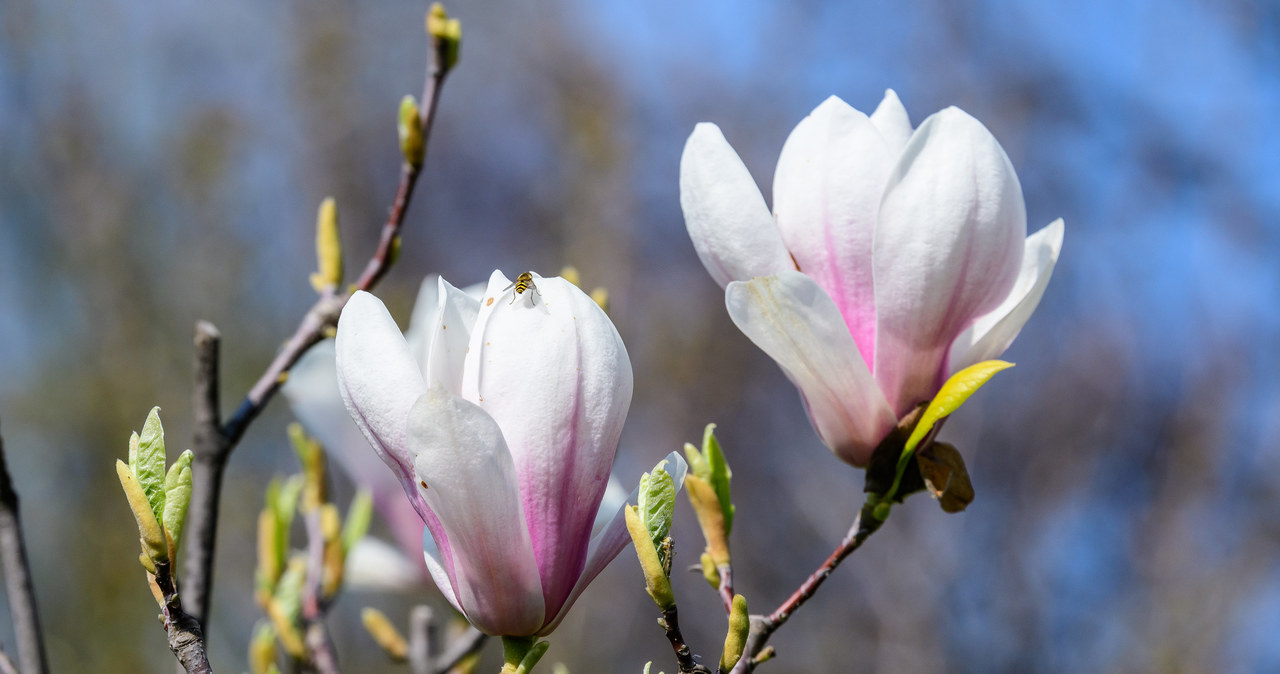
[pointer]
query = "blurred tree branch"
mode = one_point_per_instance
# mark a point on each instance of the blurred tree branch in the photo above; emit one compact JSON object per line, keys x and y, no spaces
{"x":213,"y":440}
{"x":17,"y":578}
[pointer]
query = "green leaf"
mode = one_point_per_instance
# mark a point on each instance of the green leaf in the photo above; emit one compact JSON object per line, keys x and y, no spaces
{"x":718,"y":474}
{"x":177,"y":496}
{"x":657,"y":502}
{"x":359,"y":513}
{"x":952,"y":395}
{"x":150,"y":463}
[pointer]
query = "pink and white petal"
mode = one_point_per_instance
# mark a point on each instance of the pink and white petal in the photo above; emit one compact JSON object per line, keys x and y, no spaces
{"x":892,"y":120}
{"x":794,"y":321}
{"x":826,"y":196}
{"x":378,"y":380}
{"x":472,"y":487}
{"x":947,"y":249}
{"x":450,"y":336}
{"x":553,"y":372}
{"x":728,"y":221}
{"x":992,"y":333}
{"x":611,"y":539}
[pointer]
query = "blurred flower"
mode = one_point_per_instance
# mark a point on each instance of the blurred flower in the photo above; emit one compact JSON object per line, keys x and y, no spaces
{"x":891,"y":259}
{"x":501,"y":426}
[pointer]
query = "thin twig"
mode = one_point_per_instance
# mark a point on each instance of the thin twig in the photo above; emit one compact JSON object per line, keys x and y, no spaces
{"x":424,"y":640}
{"x":186,"y":639}
{"x":762,"y":627}
{"x":314,"y":605}
{"x":17,"y":578}
{"x":459,"y":649}
{"x":726,"y":586}
{"x":213,"y":440}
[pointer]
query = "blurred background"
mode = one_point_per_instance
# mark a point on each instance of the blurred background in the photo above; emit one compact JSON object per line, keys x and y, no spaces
{"x":162,"y":163}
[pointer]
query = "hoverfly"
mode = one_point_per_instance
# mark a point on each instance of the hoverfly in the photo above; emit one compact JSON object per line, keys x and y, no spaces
{"x":522,"y":283}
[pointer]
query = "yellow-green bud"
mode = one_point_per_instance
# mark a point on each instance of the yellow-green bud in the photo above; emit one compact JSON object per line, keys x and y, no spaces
{"x":328,"y":248}
{"x":409,"y":126}
{"x":153,"y":541}
{"x":385,"y":634}
{"x":446,"y":35}
{"x":656,"y":582}
{"x":736,"y":638}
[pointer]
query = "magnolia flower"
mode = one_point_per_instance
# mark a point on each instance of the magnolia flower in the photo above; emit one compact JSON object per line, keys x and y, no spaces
{"x":892,"y":258}
{"x":501,"y":426}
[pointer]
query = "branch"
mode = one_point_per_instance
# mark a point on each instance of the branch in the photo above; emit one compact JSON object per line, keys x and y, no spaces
{"x":17,"y":578}
{"x":726,"y":586}
{"x":762,"y":627}
{"x":212,"y":440}
{"x":684,"y":655}
{"x":186,"y":639}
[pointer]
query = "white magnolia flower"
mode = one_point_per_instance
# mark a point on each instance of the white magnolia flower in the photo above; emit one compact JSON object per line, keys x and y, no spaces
{"x":892,"y":258}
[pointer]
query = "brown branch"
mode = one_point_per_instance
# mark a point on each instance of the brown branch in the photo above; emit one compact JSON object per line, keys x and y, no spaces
{"x":684,"y":655}
{"x":726,"y":586}
{"x":17,"y":578}
{"x":213,"y":441}
{"x":186,"y":639}
{"x":762,"y":627}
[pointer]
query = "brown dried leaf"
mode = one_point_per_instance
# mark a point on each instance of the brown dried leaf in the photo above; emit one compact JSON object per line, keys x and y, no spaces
{"x":945,"y":476}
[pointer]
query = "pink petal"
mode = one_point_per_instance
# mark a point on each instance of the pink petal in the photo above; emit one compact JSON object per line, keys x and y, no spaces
{"x":471,"y":486}
{"x":794,"y":321}
{"x":947,"y":250}
{"x":553,"y":372}
{"x":826,"y":194}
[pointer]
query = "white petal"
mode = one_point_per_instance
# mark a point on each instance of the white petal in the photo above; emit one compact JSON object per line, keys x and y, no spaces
{"x":790,"y":318}
{"x":947,"y":249}
{"x":373,"y":564}
{"x":728,"y":221}
{"x":451,"y":336}
{"x":471,"y":486}
{"x":379,"y":382}
{"x":826,"y":196}
{"x":426,"y":310}
{"x":552,"y":371}
{"x":992,"y":333}
{"x":892,"y":120}
{"x":612,"y":538}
